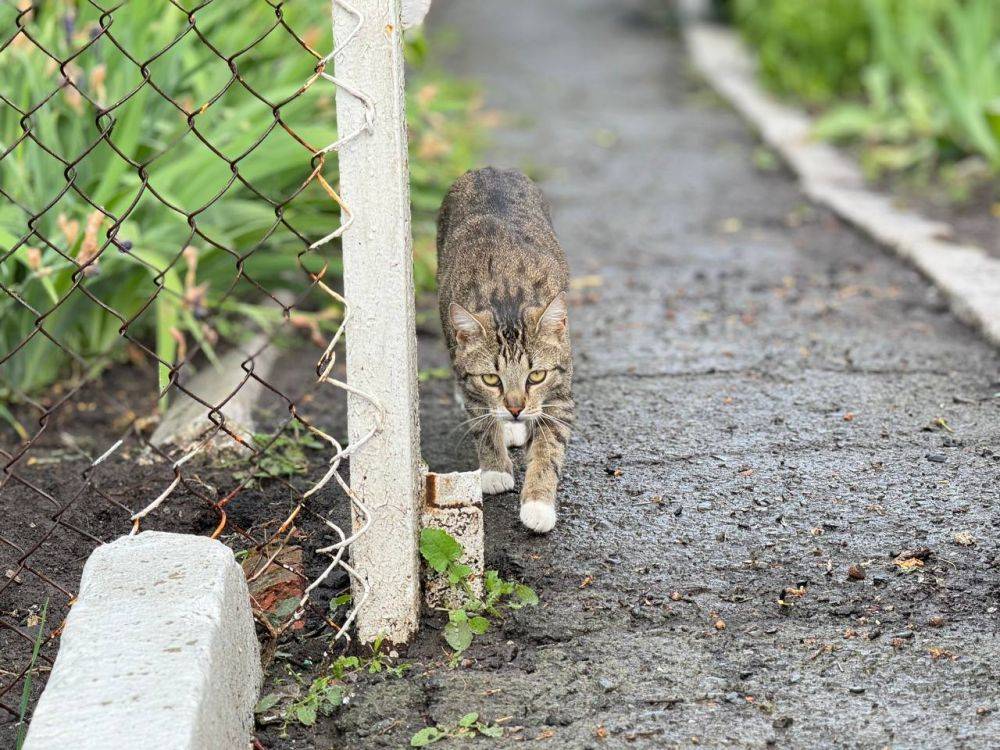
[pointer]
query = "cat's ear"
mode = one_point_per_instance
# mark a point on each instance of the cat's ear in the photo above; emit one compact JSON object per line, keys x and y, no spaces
{"x":465,"y":323}
{"x":553,"y":318}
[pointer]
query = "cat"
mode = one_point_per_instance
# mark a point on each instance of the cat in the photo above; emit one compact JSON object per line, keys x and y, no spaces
{"x":502,"y":280}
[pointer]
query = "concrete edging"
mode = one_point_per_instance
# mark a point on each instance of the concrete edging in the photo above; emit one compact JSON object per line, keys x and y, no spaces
{"x":966,"y":274}
{"x":187,"y":420}
{"x":158,"y":651}
{"x":454,"y":503}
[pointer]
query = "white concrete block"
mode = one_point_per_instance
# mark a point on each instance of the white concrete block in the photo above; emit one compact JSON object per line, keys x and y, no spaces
{"x":158,"y":651}
{"x":454,"y":502}
{"x":187,"y":421}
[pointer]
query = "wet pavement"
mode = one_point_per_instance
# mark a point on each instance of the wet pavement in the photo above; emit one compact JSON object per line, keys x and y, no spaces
{"x":765,"y":399}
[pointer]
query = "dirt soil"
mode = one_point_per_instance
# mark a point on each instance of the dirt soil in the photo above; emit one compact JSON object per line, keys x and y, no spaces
{"x":765,"y":400}
{"x":974,"y":218}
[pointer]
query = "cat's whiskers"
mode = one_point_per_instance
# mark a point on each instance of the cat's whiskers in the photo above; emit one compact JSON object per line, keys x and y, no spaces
{"x":553,"y":418}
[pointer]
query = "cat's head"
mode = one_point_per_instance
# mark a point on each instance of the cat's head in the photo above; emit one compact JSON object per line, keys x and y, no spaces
{"x":510,"y":365}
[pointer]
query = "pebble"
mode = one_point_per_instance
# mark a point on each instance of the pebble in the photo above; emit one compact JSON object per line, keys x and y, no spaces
{"x":607,"y":684}
{"x":857,"y":689}
{"x":938,"y":458}
{"x":704,"y":506}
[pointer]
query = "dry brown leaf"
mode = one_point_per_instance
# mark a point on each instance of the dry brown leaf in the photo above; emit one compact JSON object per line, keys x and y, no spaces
{"x":964,"y":538}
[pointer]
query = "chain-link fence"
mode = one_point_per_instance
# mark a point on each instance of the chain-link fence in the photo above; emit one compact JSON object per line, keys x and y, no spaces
{"x":169,"y":305}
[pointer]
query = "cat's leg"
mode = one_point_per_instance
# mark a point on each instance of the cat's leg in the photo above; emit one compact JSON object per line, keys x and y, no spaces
{"x":545,"y":455}
{"x":497,"y":469}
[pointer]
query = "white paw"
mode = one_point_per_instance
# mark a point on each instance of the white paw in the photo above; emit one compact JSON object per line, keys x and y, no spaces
{"x":515,"y":434}
{"x":538,"y":516}
{"x":495,"y":482}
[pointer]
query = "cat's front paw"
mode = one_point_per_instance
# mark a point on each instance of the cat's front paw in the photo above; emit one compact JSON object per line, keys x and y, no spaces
{"x":495,"y":482}
{"x":539,"y":515}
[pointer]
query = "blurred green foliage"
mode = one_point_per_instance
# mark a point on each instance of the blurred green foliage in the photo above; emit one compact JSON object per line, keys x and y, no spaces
{"x":932,"y":88}
{"x":916,"y":81}
{"x":177,"y":279}
{"x":813,"y":50}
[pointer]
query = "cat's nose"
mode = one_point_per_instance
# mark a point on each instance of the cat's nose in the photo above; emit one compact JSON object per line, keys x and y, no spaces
{"x":515,"y":410}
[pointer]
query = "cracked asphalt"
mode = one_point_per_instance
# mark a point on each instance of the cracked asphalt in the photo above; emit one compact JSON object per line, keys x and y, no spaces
{"x":765,"y":399}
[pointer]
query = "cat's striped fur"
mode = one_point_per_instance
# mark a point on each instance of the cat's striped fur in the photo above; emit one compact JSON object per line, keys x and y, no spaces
{"x":502,"y":281}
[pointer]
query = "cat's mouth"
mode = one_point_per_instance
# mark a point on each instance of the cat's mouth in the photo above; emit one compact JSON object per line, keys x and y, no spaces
{"x":502,"y":415}
{"x":522,"y":418}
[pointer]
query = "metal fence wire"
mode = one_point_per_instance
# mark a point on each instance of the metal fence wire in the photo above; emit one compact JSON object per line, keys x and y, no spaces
{"x":167,"y":174}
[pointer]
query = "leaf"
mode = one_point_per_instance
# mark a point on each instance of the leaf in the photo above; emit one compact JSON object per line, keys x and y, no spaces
{"x":340,"y":601}
{"x":526,"y":594}
{"x":458,"y":635}
{"x":909,"y":564}
{"x":490,"y":730}
{"x":468,"y":720}
{"x":439,"y":548}
{"x":334,"y":695}
{"x":492,"y":580}
{"x":426,"y":736}
{"x":479,"y":625}
{"x":267,"y":702}
{"x":458,"y":572}
{"x":305,"y":714}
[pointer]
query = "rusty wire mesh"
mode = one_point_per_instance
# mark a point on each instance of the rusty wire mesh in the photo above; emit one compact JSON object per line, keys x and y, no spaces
{"x":80,"y":462}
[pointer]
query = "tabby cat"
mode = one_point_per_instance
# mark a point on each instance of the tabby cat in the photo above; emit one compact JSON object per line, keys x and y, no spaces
{"x":502,"y":280}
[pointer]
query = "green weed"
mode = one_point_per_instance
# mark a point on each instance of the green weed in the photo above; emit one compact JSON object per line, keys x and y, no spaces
{"x":22,"y":726}
{"x":283,"y":457}
{"x":469,"y":726}
{"x":442,"y":552}
{"x":326,"y":693}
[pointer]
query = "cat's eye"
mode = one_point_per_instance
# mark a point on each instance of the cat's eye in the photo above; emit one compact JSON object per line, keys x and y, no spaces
{"x":536,"y":376}
{"x":491,"y":380}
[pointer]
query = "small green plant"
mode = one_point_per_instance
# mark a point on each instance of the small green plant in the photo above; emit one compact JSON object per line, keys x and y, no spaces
{"x":283,"y":458}
{"x":22,"y":726}
{"x":322,"y":698}
{"x":469,"y":726}
{"x":377,"y":663}
{"x":340,"y":601}
{"x":327,"y":692}
{"x":443,"y":553}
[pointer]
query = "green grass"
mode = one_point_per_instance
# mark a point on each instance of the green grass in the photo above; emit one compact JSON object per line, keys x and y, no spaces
{"x":915,"y":82}
{"x":22,"y":724}
{"x":185,"y":277}
{"x":813,"y":50}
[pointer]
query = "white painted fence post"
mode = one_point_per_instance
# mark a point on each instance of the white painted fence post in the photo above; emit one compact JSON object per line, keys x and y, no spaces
{"x":381,"y":334}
